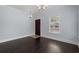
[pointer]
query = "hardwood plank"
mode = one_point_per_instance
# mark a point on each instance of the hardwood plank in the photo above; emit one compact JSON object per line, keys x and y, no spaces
{"x":37,"y":45}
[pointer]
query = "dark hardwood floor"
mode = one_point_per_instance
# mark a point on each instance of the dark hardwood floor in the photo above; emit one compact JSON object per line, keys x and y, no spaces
{"x":39,"y":45}
{"x":49,"y":45}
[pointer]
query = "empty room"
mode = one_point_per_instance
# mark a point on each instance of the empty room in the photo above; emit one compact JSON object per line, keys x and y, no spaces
{"x":39,"y":28}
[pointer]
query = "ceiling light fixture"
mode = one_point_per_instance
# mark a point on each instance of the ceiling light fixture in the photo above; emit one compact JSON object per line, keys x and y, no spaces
{"x":42,"y":7}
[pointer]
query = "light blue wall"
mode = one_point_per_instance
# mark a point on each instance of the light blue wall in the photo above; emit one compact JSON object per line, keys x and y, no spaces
{"x":78,"y":24}
{"x":68,"y":15}
{"x":14,"y":23}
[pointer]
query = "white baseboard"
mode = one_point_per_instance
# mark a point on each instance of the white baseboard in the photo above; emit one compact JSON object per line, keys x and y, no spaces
{"x":78,"y":46}
{"x":59,"y":39}
{"x":78,"y":42}
{"x":14,"y":38}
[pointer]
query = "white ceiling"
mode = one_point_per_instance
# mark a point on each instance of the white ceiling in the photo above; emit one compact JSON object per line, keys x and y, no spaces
{"x":32,"y":8}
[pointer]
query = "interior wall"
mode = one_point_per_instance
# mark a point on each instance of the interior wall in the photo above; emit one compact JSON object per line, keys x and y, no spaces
{"x":14,"y":23}
{"x":78,"y":24}
{"x":68,"y":25}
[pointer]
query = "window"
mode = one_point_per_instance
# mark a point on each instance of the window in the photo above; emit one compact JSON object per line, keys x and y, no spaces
{"x":54,"y":24}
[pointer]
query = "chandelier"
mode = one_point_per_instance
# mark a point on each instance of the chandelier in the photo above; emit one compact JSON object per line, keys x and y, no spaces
{"x":42,"y":7}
